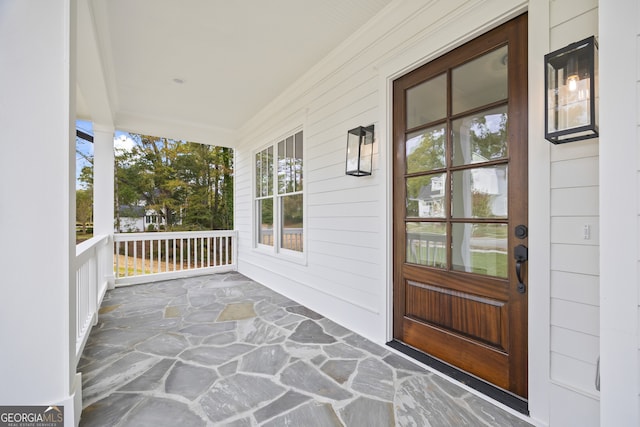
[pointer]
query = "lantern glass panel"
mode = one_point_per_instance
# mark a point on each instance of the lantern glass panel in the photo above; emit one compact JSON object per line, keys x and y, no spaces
{"x":571,"y":92}
{"x":359,"y":151}
{"x":353,"y":152}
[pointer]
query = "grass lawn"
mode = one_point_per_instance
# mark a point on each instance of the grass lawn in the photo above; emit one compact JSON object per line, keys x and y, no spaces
{"x":81,"y":237}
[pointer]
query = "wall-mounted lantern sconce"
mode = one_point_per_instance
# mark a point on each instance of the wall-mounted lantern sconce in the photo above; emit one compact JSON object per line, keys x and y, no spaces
{"x":572,"y":92}
{"x":360,"y":151}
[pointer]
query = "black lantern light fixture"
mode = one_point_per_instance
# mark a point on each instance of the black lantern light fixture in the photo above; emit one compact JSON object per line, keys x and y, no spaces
{"x":571,"y":92}
{"x":360,"y":151}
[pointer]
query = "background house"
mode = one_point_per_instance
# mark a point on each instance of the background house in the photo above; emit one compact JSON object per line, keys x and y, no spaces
{"x":61,"y":59}
{"x":133,"y":219}
{"x":137,"y":218}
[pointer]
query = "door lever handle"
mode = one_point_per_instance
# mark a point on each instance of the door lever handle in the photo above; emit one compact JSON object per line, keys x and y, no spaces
{"x":521,"y":254}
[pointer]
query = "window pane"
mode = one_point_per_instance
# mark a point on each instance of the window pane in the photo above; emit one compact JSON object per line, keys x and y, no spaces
{"x":282,"y":167}
{"x":427,"y":102}
{"x":480,"y":249}
{"x":289,"y":147}
{"x":480,"y":82}
{"x":290,"y":165}
{"x":265,"y":221}
{"x":298,"y":161}
{"x":426,"y":196}
{"x":426,"y":244}
{"x":264,"y":172}
{"x":480,"y":137}
{"x":480,"y":192}
{"x":292,"y":231}
{"x":426,"y":149}
{"x":259,"y":182}
{"x":269,"y":173}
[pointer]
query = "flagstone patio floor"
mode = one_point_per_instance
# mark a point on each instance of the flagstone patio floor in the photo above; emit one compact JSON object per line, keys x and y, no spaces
{"x":223,"y":350}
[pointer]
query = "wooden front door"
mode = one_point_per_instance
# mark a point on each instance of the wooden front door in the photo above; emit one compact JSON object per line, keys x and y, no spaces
{"x":460,"y":207}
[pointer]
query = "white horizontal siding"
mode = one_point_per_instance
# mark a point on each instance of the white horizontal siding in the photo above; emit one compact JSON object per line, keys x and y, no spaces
{"x":575,"y":260}
{"x":576,"y":373}
{"x":576,"y":345}
{"x":576,"y":287}
{"x":570,"y":151}
{"x":571,"y":408}
{"x":575,"y":316}
{"x":580,"y":26}
{"x":345,"y":210}
{"x":338,"y":195}
{"x":581,"y":172}
{"x":562,"y":11}
{"x":571,"y":230}
{"x":576,"y":201}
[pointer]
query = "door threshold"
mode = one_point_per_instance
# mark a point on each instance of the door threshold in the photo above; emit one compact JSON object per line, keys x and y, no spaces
{"x":505,"y":397}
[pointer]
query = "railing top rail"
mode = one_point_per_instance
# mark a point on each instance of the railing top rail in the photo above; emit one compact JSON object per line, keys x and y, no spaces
{"x":93,"y":242}
{"x":162,"y":235}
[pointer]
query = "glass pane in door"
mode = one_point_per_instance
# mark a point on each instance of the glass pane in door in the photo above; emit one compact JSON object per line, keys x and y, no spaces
{"x":480,"y":81}
{"x":480,"y":192}
{"x":426,"y":196}
{"x":427,"y":102}
{"x":426,"y":149}
{"x":427,"y":244}
{"x":480,"y":248}
{"x":480,"y":137}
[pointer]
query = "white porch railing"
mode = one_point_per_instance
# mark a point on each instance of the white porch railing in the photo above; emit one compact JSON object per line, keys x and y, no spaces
{"x":147,"y":257}
{"x":92,"y":276}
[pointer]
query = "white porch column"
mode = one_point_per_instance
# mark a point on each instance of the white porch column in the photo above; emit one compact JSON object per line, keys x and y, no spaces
{"x":619,"y":231}
{"x":103,"y":187}
{"x":37,"y":198}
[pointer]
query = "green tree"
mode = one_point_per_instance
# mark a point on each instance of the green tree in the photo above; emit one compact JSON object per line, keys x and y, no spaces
{"x":84,"y":207}
{"x":158,"y":179}
{"x":208,"y":172}
{"x":127,"y":182}
{"x":189,"y":185}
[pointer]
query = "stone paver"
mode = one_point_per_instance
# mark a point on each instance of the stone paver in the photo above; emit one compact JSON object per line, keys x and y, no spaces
{"x":225,"y":350}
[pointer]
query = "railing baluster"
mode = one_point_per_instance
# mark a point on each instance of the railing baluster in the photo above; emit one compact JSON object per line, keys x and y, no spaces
{"x":166,"y":255}
{"x":195,"y":253}
{"x":208,"y":251}
{"x":181,"y":254}
{"x":144,"y":258}
{"x":126,"y":259}
{"x":173,"y":254}
{"x":134,"y":268}
{"x":202,"y":252}
{"x":117,"y":258}
{"x":226,"y":250}
{"x":215,"y":251}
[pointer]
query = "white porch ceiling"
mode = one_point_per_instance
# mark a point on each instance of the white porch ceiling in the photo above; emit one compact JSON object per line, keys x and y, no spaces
{"x":232,"y":56}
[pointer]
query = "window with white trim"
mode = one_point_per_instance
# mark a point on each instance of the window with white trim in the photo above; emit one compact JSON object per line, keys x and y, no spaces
{"x":279,"y":198}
